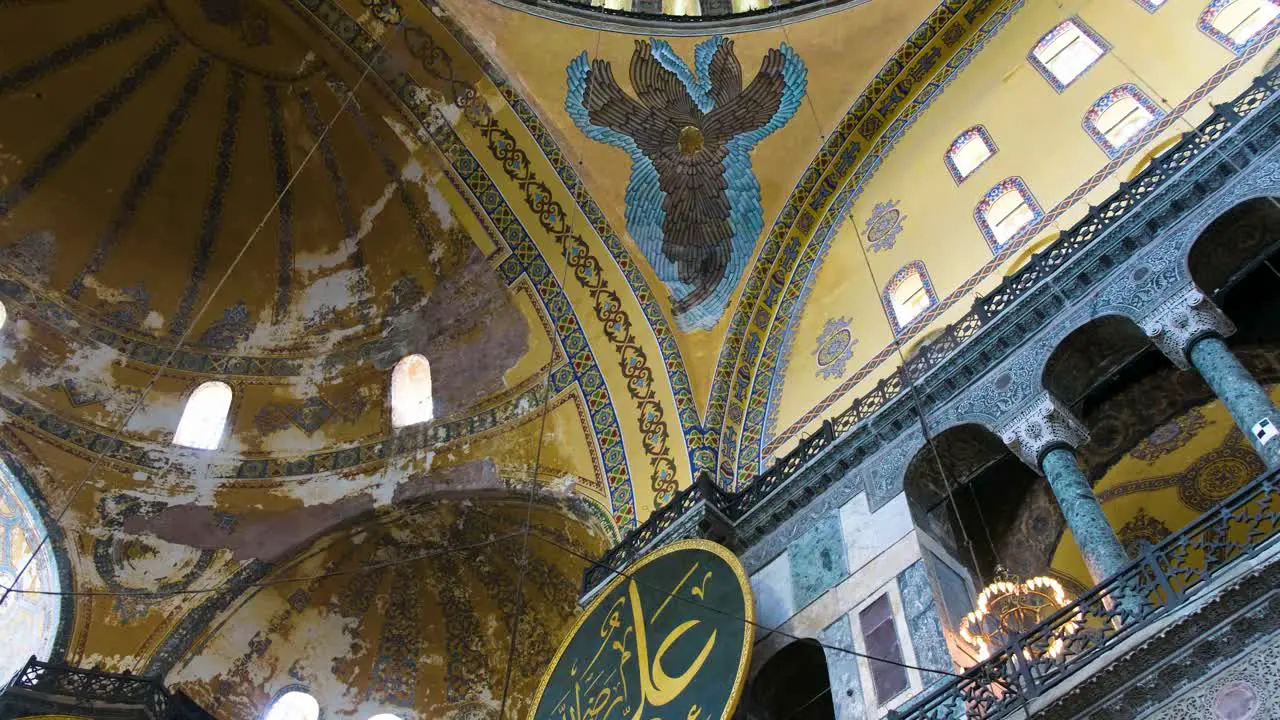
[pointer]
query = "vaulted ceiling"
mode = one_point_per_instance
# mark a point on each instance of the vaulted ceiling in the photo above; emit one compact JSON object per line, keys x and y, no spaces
{"x":613,"y":249}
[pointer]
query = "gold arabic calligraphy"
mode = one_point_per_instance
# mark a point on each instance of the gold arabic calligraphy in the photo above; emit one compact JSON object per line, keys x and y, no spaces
{"x":600,"y":691}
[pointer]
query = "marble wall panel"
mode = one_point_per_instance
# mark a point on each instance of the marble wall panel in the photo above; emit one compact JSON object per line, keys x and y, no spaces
{"x":818,"y":560}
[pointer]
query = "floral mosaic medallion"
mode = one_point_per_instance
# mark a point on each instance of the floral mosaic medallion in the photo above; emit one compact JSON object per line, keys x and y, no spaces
{"x":834,"y":348}
{"x":884,"y":225}
{"x":1170,"y":436}
{"x":1216,"y":475}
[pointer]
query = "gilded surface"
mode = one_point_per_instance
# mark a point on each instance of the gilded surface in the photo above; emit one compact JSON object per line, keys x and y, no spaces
{"x":671,"y":639}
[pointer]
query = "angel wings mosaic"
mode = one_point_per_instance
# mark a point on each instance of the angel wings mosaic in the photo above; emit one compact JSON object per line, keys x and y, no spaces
{"x":692,"y":201}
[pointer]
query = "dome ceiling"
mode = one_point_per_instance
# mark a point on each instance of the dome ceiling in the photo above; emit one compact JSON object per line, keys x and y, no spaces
{"x":171,"y":128}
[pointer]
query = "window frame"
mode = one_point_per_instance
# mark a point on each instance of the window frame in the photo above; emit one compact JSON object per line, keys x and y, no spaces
{"x":968,"y":135}
{"x":226,"y":417}
{"x":886,"y":295}
{"x":1217,"y":6}
{"x":996,"y":192}
{"x":1104,"y":103}
{"x":391,"y":393}
{"x":1043,"y":68}
{"x":295,"y":688}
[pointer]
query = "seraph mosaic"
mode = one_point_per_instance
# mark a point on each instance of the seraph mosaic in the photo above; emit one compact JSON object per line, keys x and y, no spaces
{"x":693,"y":201}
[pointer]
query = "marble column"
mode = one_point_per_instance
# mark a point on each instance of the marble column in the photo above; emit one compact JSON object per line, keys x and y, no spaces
{"x":1102,"y":551}
{"x":1189,"y":328}
{"x":1044,"y":435}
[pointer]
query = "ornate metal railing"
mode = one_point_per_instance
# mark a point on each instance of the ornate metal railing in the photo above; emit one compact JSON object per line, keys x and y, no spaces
{"x":86,"y":687}
{"x":1148,"y":590}
{"x":1119,"y":208}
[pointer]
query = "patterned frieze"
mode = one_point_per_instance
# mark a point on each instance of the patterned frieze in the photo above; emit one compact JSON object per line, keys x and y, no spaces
{"x":1183,"y":319}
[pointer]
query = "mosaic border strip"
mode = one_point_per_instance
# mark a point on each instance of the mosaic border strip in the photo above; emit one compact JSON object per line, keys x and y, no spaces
{"x":686,"y":404}
{"x":780,"y":336}
{"x":945,"y":28}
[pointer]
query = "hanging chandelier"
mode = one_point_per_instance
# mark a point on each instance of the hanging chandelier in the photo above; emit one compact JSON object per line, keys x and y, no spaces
{"x":1009,"y":607}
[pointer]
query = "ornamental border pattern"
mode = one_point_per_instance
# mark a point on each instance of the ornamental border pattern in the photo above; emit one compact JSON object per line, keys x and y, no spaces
{"x":780,"y":337}
{"x":525,"y":257}
{"x":819,"y":184}
{"x":1008,"y":251}
{"x":686,"y":404}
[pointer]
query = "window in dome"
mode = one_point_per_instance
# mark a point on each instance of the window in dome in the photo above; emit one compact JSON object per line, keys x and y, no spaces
{"x":4,"y":315}
{"x":204,"y":417}
{"x":411,"y":392}
{"x":1119,"y":117}
{"x":1150,"y":5}
{"x":1238,"y":23}
{"x":969,"y":150}
{"x":612,"y":4}
{"x":385,"y":716}
{"x":294,"y":705}
{"x":1006,"y":213}
{"x":1066,"y":51}
{"x":908,"y":294}
{"x":28,"y":619}
{"x":681,"y":7}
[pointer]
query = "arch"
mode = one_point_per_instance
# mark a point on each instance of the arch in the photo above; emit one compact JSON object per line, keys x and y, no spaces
{"x":907,"y":295}
{"x":1089,"y":354}
{"x":1006,"y":213}
{"x":32,"y":624}
{"x":971,"y":489}
{"x":1237,"y":24}
{"x":205,"y":416}
{"x":1232,"y":242}
{"x":968,"y":152}
{"x":293,"y":705}
{"x":1119,"y":117}
{"x":791,"y":684}
{"x":411,"y":401}
{"x":1064,"y":53}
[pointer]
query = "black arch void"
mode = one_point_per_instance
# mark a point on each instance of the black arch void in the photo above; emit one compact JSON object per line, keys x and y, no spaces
{"x":1234,"y":245}
{"x":965,"y":489}
{"x":793,"y":685}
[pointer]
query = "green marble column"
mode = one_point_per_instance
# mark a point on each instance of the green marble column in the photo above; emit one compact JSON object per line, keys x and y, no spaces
{"x":1247,"y":401}
{"x":1102,"y":551}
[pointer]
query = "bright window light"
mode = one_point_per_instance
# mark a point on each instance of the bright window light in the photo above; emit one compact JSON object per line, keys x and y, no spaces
{"x":204,"y":417}
{"x":411,"y":392}
{"x":294,"y":705}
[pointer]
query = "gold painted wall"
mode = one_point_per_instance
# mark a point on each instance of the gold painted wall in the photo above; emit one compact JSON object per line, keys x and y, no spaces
{"x":1181,"y":470}
{"x":1040,"y":138}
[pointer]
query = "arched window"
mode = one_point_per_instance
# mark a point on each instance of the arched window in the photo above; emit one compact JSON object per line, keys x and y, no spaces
{"x":1120,"y":116}
{"x":385,"y":716}
{"x":1150,"y":5}
{"x":4,"y":315}
{"x":1006,"y":212}
{"x":908,"y":294}
{"x":294,"y":705}
{"x":28,"y":618}
{"x":1236,"y":23}
{"x":1066,"y":51}
{"x":204,"y":417}
{"x":411,"y":391}
{"x":969,"y":150}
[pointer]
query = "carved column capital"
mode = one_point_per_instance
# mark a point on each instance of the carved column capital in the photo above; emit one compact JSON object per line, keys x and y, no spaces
{"x":1183,"y":319}
{"x":1040,"y":427}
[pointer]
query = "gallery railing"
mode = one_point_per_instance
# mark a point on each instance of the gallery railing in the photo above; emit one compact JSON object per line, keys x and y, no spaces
{"x":1118,"y":208}
{"x":94,"y":686}
{"x":1164,"y":578}
{"x":649,"y":16}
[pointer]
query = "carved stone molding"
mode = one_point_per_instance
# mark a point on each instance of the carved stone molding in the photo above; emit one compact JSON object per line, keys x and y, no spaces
{"x":1040,"y":427}
{"x":1182,"y":319}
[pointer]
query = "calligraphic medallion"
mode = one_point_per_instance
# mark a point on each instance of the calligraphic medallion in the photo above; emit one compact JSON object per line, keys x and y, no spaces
{"x":670,"y":639}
